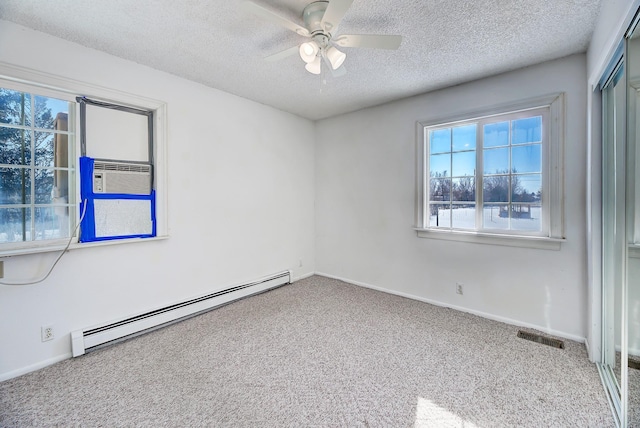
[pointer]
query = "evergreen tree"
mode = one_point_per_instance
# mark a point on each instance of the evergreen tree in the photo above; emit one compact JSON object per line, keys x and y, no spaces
{"x":17,"y":146}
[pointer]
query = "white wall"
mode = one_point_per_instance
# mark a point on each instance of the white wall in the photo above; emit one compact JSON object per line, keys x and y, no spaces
{"x":240,"y":206}
{"x":365,"y":187}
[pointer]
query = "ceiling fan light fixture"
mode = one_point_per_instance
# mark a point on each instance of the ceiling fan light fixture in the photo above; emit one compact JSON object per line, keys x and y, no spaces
{"x":336,"y":58}
{"x":309,"y":51}
{"x":314,"y":67}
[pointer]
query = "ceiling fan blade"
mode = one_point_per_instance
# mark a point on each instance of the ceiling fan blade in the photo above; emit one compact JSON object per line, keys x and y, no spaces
{"x":283,"y":54}
{"x":374,"y":41}
{"x":334,"y":14}
{"x":274,"y":17}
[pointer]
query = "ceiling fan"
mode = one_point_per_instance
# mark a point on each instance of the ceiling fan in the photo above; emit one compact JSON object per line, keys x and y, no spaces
{"x":321,"y":20}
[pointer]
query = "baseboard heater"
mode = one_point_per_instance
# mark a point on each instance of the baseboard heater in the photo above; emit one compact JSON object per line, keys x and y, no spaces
{"x":89,"y":339}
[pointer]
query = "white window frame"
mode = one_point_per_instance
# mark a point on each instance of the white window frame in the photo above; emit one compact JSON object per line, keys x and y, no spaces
{"x":71,"y":133}
{"x":552,"y":234}
{"x":31,"y":81}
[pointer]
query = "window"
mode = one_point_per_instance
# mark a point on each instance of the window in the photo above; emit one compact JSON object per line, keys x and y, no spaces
{"x":37,"y":165}
{"x":117,"y":189}
{"x":40,"y":204}
{"x":493,"y":174}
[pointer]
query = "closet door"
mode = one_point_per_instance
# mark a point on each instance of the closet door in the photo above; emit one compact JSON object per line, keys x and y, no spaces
{"x":613,"y":236}
{"x":631,"y":296}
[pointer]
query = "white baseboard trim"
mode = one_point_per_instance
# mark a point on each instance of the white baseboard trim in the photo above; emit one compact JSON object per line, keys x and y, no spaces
{"x":493,"y":317}
{"x":634,"y":352}
{"x":298,"y":278}
{"x":32,"y":368}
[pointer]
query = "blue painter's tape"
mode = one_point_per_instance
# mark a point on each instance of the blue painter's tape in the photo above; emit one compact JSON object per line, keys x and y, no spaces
{"x":111,"y":238}
{"x":88,"y":226}
{"x":153,"y":212}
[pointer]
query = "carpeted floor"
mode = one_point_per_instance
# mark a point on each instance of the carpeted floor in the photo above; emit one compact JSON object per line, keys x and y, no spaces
{"x":633,"y":413}
{"x":318,"y":353}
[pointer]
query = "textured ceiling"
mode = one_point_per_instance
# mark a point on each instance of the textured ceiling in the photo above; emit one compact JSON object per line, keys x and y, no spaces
{"x":219,"y":44}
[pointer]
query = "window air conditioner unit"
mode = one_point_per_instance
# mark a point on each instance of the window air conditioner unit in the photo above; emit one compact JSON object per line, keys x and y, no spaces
{"x":121,"y":178}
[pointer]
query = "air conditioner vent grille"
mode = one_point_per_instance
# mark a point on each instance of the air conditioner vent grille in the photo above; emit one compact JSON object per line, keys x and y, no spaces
{"x":122,"y":177}
{"x":121,"y":167}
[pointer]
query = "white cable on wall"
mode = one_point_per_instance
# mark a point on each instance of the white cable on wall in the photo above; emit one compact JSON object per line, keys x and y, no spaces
{"x":36,"y":281}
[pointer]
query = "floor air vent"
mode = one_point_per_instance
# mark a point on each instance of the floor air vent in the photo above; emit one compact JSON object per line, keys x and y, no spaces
{"x":541,"y":339}
{"x":634,"y":362}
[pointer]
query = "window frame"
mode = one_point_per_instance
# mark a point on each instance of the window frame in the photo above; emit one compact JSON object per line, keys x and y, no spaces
{"x":36,"y":91}
{"x":31,"y":81}
{"x":552,"y":234}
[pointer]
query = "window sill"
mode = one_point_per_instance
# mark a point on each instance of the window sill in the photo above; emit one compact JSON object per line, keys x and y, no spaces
{"x":524,"y":241}
{"x":74,"y":246}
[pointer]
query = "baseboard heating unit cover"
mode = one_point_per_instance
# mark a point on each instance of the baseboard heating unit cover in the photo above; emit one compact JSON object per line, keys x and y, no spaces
{"x":83,"y":341}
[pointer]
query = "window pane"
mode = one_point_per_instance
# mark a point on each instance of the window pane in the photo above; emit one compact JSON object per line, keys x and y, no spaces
{"x":61,"y":119}
{"x":15,"y":107}
{"x":496,"y":161}
{"x":60,"y":190}
{"x":527,"y":130}
{"x":440,"y":189}
{"x":440,"y":165}
{"x":464,"y":189}
{"x":48,"y":109}
{"x":525,"y":217}
{"x":464,"y":163}
{"x":496,"y":188}
{"x":11,"y":221}
{"x":526,"y":158}
{"x":526,"y":188}
{"x":61,"y":150}
{"x":440,"y":140}
{"x":44,"y":186}
{"x":463,"y":216}
{"x":439,"y":215}
{"x":51,"y":223}
{"x":496,"y":134}
{"x":44,"y":149}
{"x":464,"y":138}
{"x":495,"y":216}
{"x":38,"y":167}
{"x":15,"y":186}
{"x":15,"y":146}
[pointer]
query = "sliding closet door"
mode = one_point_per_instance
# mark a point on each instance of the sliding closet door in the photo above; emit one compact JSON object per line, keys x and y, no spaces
{"x":614,"y":235}
{"x":632,"y":345}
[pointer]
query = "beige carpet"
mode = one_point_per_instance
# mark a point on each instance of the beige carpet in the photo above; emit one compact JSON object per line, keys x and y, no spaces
{"x":318,"y":353}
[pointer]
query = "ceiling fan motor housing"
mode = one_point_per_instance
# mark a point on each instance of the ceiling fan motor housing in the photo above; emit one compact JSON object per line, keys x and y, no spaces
{"x":321,"y":39}
{"x":312,"y":17}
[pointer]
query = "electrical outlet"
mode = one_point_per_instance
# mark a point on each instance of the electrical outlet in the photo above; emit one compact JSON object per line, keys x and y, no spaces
{"x":459,"y":288}
{"x":46,"y":333}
